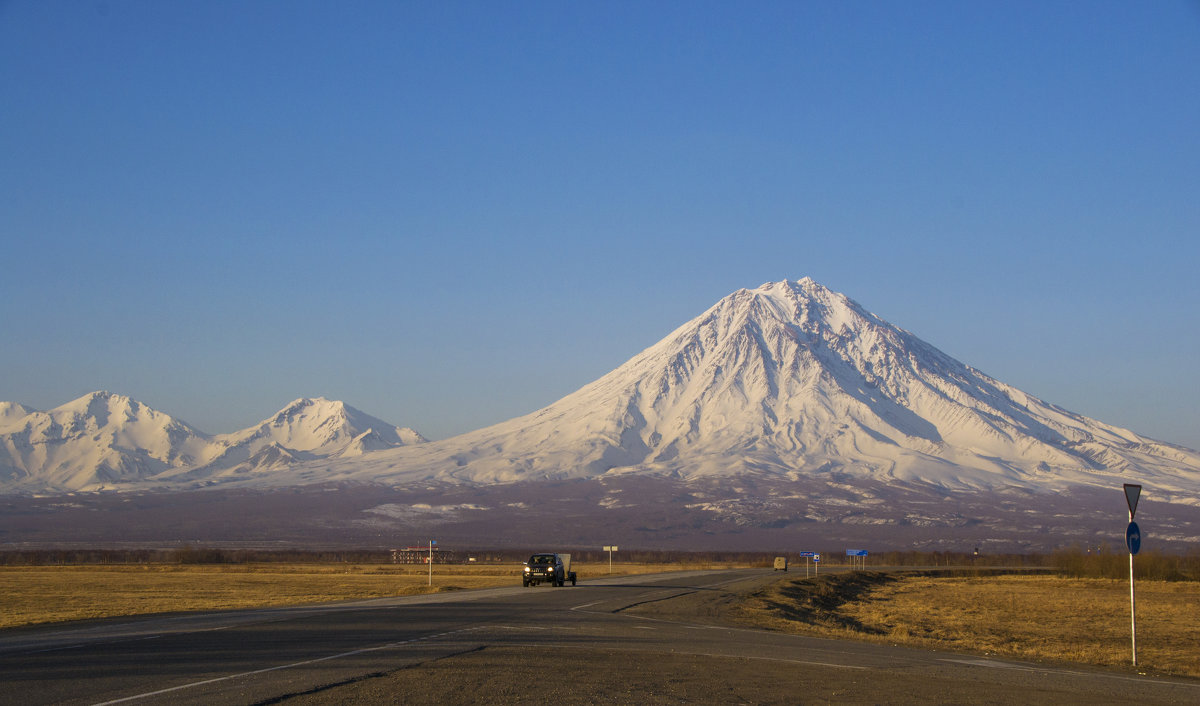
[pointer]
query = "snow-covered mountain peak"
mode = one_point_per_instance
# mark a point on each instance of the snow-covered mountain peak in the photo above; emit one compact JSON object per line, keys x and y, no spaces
{"x":102,"y":438}
{"x":94,"y":404}
{"x":311,"y":406}
{"x":316,"y":424}
{"x":793,"y":379}
{"x":803,"y":303}
{"x":11,"y":413}
{"x":118,"y":414}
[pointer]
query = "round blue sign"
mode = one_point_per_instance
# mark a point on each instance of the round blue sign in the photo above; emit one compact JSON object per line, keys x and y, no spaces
{"x":1133,"y":538}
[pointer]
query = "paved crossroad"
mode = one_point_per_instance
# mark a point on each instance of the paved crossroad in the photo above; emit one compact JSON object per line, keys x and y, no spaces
{"x":496,"y":636}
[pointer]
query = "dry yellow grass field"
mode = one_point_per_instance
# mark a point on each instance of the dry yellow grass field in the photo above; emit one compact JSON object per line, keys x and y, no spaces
{"x":46,"y":594}
{"x":1026,"y":617}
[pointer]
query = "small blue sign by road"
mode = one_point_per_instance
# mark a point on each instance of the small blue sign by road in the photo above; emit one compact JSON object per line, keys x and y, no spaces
{"x":856,"y":552}
{"x":1133,"y":538}
{"x":808,"y":553}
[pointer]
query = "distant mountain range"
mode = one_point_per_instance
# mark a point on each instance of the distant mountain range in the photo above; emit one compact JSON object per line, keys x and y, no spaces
{"x":782,"y":404}
{"x":105,"y":441}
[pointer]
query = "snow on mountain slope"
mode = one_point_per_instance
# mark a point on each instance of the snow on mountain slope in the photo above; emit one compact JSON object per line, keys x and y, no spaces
{"x":319,"y":425}
{"x":789,"y":382}
{"x":96,"y":439}
{"x":102,"y":440}
{"x":11,"y":412}
{"x":306,"y":429}
{"x":792,"y":379}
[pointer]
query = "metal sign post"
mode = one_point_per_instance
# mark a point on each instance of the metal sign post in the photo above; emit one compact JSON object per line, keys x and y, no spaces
{"x":807,"y":561}
{"x":610,"y":551}
{"x":1133,"y":540}
{"x":431,"y":543}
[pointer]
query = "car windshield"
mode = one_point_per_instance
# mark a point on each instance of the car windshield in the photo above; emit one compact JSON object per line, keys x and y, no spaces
{"x":541,"y":559}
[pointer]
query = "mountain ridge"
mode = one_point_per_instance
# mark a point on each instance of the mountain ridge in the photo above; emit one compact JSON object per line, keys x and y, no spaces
{"x":789,"y":381}
{"x":104,"y":440}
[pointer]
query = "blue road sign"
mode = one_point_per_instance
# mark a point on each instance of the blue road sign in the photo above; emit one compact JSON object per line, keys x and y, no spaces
{"x":808,"y":553}
{"x":856,"y":552}
{"x":1133,"y":538}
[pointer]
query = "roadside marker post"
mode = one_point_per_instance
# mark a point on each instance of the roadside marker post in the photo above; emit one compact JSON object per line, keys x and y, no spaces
{"x":1133,"y":540}
{"x":431,"y":543}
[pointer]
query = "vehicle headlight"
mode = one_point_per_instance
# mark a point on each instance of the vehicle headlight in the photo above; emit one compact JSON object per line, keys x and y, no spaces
{"x":526,"y":569}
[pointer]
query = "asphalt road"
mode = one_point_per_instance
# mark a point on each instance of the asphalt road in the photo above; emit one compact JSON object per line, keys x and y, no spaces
{"x":645,"y":639}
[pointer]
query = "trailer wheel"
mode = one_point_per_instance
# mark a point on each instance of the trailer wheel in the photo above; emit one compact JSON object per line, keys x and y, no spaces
{"x":572,"y":579}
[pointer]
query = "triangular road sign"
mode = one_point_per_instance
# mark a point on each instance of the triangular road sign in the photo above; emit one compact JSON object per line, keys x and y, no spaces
{"x":1132,"y":493}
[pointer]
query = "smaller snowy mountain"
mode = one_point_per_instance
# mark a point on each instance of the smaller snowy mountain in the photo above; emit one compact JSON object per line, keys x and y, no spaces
{"x":306,"y":429}
{"x":103,"y":439}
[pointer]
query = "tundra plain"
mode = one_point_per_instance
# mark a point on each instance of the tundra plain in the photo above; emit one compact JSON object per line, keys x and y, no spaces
{"x":1041,"y":617}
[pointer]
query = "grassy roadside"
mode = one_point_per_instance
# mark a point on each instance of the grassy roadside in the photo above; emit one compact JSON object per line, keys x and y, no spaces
{"x":51,"y":594}
{"x":1026,"y":617}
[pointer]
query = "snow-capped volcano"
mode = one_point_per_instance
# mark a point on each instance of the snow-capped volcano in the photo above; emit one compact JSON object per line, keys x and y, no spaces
{"x":789,"y":381}
{"x":792,"y":379}
{"x":104,"y":440}
{"x":779,"y":416}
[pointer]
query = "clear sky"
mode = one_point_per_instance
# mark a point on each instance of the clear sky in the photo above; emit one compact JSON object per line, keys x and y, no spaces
{"x":449,"y":214}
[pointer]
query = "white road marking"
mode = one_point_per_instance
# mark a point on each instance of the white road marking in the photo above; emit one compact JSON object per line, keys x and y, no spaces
{"x":985,"y":663}
{"x":306,"y":662}
{"x":996,"y":664}
{"x":684,"y":653}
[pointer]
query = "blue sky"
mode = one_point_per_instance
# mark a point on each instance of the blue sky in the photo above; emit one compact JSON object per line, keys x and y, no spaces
{"x":448,"y":214}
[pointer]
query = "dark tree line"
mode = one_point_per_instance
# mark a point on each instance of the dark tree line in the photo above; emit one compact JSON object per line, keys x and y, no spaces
{"x":1101,"y":562}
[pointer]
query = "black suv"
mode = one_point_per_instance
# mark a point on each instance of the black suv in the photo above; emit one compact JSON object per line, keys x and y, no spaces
{"x":554,"y":568}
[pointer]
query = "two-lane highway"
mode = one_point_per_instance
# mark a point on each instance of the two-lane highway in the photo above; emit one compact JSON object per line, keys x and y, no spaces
{"x":604,"y":640}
